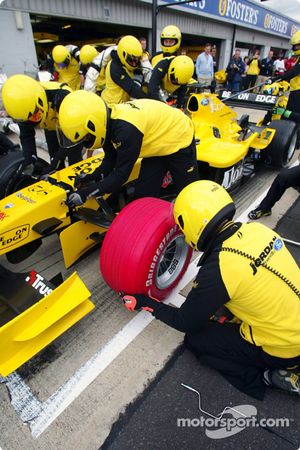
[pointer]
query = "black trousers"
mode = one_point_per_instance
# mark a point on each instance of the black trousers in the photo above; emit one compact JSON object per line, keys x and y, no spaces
{"x":6,"y":144}
{"x":58,"y":153}
{"x":182,"y":165}
{"x":285,"y":179}
{"x":250,"y":81}
{"x":221,"y":347}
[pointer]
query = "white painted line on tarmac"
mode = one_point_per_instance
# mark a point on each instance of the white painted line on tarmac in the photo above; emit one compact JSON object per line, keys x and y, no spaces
{"x":40,"y":415}
{"x":69,"y":391}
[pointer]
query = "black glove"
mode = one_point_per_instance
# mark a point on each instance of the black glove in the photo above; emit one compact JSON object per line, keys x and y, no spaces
{"x":81,"y":195}
{"x":139,"y":301}
{"x":83,"y":178}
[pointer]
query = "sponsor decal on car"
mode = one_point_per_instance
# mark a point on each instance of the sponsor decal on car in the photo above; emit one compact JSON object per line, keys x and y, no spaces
{"x":8,"y":206}
{"x":3,"y":216}
{"x":13,"y":236}
{"x":38,"y":189}
{"x":39,"y":283}
{"x":25,"y":198}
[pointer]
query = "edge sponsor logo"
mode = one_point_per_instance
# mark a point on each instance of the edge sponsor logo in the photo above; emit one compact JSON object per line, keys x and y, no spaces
{"x":14,"y":236}
{"x":24,"y":197}
{"x":38,"y":283}
{"x":238,"y":11}
{"x":261,"y":98}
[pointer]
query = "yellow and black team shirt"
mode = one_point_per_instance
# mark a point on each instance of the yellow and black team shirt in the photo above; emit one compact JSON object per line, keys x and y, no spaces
{"x":119,"y":84}
{"x":141,"y":128}
{"x":55,"y":93}
{"x":250,"y":270}
{"x":159,"y":80}
{"x":156,"y":58}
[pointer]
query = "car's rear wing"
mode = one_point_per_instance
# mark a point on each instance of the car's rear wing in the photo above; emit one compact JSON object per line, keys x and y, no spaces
{"x":248,"y":100}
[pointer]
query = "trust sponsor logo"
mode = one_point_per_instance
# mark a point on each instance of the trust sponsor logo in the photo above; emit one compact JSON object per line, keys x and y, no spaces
{"x":38,"y":283}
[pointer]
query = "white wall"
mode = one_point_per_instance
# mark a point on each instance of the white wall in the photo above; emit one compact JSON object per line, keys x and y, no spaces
{"x":17,"y":48}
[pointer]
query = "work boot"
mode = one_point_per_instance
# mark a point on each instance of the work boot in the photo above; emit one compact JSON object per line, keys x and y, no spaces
{"x":286,"y":380}
{"x":258,"y":213}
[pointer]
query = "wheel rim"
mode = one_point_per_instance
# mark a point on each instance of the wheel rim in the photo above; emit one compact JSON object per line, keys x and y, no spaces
{"x":292,"y":148}
{"x":171,"y":262}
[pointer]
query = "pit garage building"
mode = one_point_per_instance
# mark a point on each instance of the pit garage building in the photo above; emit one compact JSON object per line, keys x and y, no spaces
{"x":30,"y":28}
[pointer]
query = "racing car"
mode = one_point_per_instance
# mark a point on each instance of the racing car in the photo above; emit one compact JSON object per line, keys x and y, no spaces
{"x":142,"y":248}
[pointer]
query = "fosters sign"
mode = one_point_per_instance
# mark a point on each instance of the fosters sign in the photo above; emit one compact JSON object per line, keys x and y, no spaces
{"x":245,"y":13}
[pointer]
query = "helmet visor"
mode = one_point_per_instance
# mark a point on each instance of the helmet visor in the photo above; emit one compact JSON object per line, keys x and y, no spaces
{"x":34,"y":117}
{"x":168,"y":42}
{"x":87,"y":141}
{"x":133,"y":61}
{"x":63,"y":64}
{"x":173,"y":79}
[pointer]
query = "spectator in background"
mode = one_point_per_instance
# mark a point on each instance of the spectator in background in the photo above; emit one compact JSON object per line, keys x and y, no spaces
{"x":146,"y":54}
{"x":234,"y":71}
{"x":253,"y":71}
{"x":246,"y":63}
{"x":279,"y":67}
{"x":205,"y":66}
{"x":266,"y":68}
{"x":214,"y":57}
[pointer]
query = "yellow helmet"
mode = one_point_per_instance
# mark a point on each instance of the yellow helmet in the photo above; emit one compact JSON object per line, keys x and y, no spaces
{"x":181,"y":69}
{"x":25,"y":99}
{"x":87,"y":54}
{"x":61,"y":56}
{"x":199,"y":210}
{"x":83,"y":118}
{"x":295,"y":40}
{"x":170,"y":32}
{"x":129,"y":51}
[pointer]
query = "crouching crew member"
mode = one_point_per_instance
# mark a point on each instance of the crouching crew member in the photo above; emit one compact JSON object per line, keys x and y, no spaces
{"x":247,"y":268}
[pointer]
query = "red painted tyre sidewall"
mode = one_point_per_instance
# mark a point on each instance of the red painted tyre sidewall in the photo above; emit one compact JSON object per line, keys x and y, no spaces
{"x":132,"y":248}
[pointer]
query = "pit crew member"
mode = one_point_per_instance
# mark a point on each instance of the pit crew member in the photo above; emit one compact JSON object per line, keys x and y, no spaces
{"x":247,"y":268}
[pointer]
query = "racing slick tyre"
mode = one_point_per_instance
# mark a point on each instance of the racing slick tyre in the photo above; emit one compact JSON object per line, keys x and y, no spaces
{"x":283,"y":145}
{"x":11,"y":177}
{"x":144,"y":250}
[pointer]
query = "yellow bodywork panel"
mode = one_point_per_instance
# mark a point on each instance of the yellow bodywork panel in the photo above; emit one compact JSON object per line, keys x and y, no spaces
{"x":35,"y":328}
{"x":219,"y":137}
{"x":76,"y":240}
{"x":264,"y":139}
{"x":22,"y":210}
